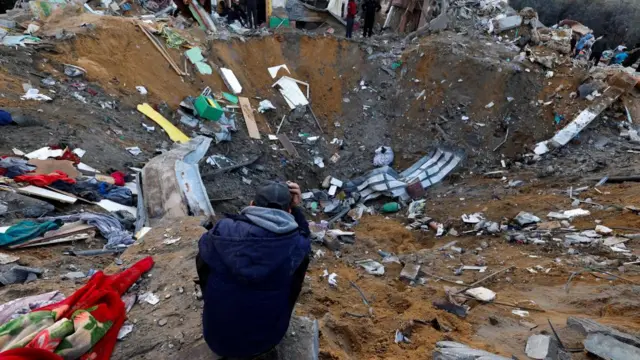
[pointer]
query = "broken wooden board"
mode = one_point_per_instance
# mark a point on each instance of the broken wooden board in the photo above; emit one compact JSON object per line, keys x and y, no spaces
{"x":66,"y":231}
{"x":70,"y":238}
{"x":247,"y":113}
{"x":112,"y":206}
{"x":284,"y":140}
{"x":68,"y":194}
{"x":7,"y":258}
{"x":47,"y":194}
{"x":87,"y":170}
{"x":50,"y":165}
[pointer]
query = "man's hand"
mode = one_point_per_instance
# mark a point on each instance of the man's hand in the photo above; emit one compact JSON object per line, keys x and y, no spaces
{"x":296,"y":194}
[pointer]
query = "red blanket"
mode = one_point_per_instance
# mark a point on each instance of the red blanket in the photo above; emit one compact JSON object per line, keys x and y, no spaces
{"x":86,"y":323}
{"x":43,"y":180}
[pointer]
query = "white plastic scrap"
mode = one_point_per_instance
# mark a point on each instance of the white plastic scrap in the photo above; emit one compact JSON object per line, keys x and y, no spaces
{"x":521,"y":313}
{"x":333,"y":281}
{"x":401,"y":338}
{"x":45,"y":153}
{"x":371,"y":266}
{"x":135,"y":151}
{"x":265,"y":105}
{"x":383,"y":156}
{"x":273,"y":71}
{"x":481,"y":293}
{"x":149,"y":297}
{"x":231,"y":81}
{"x":473,"y":218}
{"x":318,"y":161}
{"x":34,"y":94}
{"x":171,"y":241}
{"x":489,"y":105}
{"x":125,"y":330}
{"x":142,"y":90}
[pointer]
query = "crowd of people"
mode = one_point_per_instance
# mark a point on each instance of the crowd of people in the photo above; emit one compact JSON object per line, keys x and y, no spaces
{"x":595,"y":49}
{"x":369,"y":9}
{"x":246,"y":15}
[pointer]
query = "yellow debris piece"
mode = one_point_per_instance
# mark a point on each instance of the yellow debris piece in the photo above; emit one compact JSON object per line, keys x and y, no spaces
{"x":174,"y":133}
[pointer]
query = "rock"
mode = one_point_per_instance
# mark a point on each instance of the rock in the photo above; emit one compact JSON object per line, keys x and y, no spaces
{"x":72,"y":268}
{"x":515,"y":183}
{"x":493,"y":320}
{"x":565,"y":223}
{"x":410,"y":272}
{"x":481,"y":293}
{"x":301,"y":342}
{"x":371,"y":266}
{"x":587,"y":326}
{"x":162,"y":322}
{"x":331,"y":242}
{"x":537,"y":346}
{"x":549,"y":225}
{"x":528,"y":325}
{"x":450,"y":350}
{"x":29,"y":207}
{"x":608,"y":347}
{"x":73,"y":275}
{"x":446,"y":305}
{"x":439,"y":23}
{"x":493,"y":227}
{"x":125,"y":330}
{"x":525,"y":218}
{"x":601,"y":229}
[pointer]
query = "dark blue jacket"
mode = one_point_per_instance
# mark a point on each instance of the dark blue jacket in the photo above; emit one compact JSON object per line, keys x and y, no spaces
{"x":251,"y":278}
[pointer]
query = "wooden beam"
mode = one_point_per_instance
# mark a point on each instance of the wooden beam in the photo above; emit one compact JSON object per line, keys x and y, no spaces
{"x":284,"y":140}
{"x":249,"y":120}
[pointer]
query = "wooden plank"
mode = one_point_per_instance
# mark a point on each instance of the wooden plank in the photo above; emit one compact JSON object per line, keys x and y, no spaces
{"x":284,"y":140}
{"x":65,"y":231}
{"x":69,"y":194}
{"x":247,"y":113}
{"x":113,"y":206}
{"x":162,"y":51}
{"x":47,"y":194}
{"x":74,"y":237}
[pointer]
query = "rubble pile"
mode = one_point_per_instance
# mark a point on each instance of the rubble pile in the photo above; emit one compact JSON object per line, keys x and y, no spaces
{"x":434,"y":175}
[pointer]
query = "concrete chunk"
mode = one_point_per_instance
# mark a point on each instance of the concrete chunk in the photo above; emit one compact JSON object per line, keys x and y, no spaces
{"x":410,"y":272}
{"x":301,"y":342}
{"x":587,"y":326}
{"x":608,"y":348}
{"x":507,"y":23}
{"x":450,"y":350}
{"x":537,"y":346}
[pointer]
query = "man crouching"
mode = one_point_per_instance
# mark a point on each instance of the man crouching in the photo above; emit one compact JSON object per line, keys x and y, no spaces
{"x":251,"y":268}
